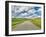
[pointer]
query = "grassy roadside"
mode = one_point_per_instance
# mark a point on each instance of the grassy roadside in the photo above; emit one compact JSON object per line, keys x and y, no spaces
{"x":36,"y":21}
{"x":16,"y":21}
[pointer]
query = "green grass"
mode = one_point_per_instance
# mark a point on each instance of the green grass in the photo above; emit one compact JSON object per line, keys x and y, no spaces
{"x":36,"y":21}
{"x":16,"y":21}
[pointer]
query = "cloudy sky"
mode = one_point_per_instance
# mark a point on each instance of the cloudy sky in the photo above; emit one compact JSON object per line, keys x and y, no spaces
{"x":25,"y":11}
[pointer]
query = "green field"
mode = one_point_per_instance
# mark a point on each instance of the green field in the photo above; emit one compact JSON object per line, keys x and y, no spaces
{"x":36,"y":21}
{"x":16,"y":21}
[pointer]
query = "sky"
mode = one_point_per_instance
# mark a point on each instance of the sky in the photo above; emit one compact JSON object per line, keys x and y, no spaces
{"x":25,"y":11}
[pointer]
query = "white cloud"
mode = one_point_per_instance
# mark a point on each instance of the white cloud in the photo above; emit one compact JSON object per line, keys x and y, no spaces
{"x":28,"y":14}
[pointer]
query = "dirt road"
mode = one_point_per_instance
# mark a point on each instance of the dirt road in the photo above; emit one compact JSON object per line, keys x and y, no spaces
{"x":27,"y":25}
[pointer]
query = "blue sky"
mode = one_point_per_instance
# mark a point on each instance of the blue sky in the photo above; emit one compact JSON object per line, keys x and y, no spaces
{"x":25,"y":11}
